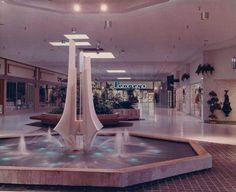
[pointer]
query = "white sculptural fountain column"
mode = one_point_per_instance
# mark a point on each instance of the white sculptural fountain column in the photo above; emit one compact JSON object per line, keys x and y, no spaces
{"x":69,"y":127}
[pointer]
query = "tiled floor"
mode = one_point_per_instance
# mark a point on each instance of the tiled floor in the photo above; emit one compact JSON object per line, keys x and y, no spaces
{"x":170,"y":122}
{"x":221,"y":178}
{"x":157,"y":120}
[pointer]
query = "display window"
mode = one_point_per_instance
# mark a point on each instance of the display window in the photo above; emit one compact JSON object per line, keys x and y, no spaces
{"x":49,"y":95}
{"x":196,"y":100}
{"x":19,"y":96}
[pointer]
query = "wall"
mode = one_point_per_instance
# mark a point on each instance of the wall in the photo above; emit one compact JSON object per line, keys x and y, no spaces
{"x":193,"y":64}
{"x":50,"y":76}
{"x":224,"y":78}
{"x":219,"y":86}
{"x":221,"y":59}
{"x":2,"y":66}
{"x":19,"y":70}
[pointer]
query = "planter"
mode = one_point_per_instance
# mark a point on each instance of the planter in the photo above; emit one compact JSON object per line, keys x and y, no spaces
{"x":130,"y":114}
{"x":53,"y":119}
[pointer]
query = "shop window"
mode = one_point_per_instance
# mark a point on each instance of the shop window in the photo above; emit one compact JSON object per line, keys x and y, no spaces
{"x":11,"y":92}
{"x":50,"y":96}
{"x":20,"y":95}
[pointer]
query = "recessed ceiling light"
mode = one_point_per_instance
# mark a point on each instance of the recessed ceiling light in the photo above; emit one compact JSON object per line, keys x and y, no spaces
{"x":116,"y":71}
{"x":124,"y":78}
{"x":76,"y":36}
{"x":67,"y":43}
{"x":99,"y":55}
{"x":76,"y":7}
{"x":103,"y":7}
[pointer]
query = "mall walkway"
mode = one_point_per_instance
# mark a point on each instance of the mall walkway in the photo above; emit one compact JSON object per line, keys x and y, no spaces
{"x":154,"y":120}
{"x":170,"y":122}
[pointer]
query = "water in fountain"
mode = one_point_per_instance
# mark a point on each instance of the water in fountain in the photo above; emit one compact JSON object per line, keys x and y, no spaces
{"x":22,"y":146}
{"x":126,"y":136}
{"x":49,"y":135}
{"x":119,"y":143}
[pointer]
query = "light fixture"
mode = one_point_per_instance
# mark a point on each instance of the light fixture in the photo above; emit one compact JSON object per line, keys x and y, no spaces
{"x":76,"y":7}
{"x":108,"y":24}
{"x":234,"y":62}
{"x":76,"y":36}
{"x":116,"y":71}
{"x":124,"y":78}
{"x":103,"y":7}
{"x":205,"y":15}
{"x":99,"y":55}
{"x":67,"y":43}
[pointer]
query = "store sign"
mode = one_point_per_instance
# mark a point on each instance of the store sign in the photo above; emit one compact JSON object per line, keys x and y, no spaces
{"x":132,"y":85}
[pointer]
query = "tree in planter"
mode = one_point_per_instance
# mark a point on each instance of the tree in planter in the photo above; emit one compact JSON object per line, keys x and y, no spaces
{"x":103,"y":104}
{"x":214,"y":104}
{"x":131,"y":98}
{"x":226,"y":105}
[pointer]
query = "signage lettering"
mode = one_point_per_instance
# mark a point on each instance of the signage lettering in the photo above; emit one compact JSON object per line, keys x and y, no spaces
{"x":119,"y":85}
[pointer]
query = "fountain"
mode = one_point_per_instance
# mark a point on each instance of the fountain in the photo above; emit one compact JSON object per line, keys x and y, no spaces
{"x":119,"y":143}
{"x":49,"y":135}
{"x":22,"y":146}
{"x":126,"y":136}
{"x":117,"y":159}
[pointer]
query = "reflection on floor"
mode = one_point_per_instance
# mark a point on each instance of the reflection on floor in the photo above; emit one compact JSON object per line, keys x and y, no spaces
{"x":157,"y":120}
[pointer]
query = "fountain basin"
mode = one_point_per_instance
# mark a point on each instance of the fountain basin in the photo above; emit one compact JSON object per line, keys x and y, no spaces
{"x":146,"y":158}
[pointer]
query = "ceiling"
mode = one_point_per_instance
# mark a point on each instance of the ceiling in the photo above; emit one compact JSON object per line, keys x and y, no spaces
{"x":149,"y":40}
{"x":87,"y":6}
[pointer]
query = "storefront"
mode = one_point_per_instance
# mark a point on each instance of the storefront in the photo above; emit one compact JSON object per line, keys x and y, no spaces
{"x":189,"y":99}
{"x":25,"y":88}
{"x":1,"y":96}
{"x":196,"y":100}
{"x":19,"y":96}
{"x":2,"y":83}
{"x":143,"y":90}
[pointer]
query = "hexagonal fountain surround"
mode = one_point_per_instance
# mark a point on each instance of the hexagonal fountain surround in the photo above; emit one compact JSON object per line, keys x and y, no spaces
{"x":120,"y":177}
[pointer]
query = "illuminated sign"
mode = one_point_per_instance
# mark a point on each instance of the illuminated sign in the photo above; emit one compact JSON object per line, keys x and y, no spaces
{"x":130,"y":85}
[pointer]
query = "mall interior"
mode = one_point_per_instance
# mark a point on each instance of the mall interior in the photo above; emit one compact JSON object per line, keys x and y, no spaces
{"x":171,"y":81}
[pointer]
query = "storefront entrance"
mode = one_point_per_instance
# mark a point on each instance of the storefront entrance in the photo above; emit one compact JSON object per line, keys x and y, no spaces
{"x":1,"y":97}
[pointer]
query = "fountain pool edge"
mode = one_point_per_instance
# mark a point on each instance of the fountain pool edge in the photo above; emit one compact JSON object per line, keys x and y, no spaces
{"x":110,"y":177}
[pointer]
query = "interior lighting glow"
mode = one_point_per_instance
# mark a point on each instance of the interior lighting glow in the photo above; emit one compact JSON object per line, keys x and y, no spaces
{"x":104,"y":7}
{"x":77,"y":8}
{"x":67,"y":43}
{"x":99,"y":55}
{"x":76,"y":36}
{"x":116,"y":71}
{"x":124,"y":78}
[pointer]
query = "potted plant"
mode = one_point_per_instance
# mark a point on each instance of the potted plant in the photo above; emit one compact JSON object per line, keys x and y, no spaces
{"x":204,"y":69}
{"x":226,"y":105}
{"x":185,"y":76}
{"x":214,"y":105}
